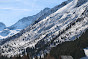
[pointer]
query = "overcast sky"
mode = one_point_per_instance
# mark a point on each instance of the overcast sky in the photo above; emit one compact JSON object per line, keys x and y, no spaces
{"x":13,"y":10}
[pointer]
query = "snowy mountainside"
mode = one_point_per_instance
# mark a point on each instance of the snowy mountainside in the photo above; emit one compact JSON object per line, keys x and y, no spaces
{"x":26,"y":21}
{"x":20,"y":25}
{"x":52,"y":10}
{"x":7,"y":33}
{"x":66,"y":24}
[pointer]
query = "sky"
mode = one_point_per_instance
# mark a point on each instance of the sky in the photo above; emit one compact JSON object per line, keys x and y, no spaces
{"x":13,"y":10}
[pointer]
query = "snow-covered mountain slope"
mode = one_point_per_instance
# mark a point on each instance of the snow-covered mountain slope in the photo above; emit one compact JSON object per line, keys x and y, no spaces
{"x":65,"y":24}
{"x":26,"y":21}
{"x":7,"y":33}
{"x":21,"y":24}
{"x":2,"y":26}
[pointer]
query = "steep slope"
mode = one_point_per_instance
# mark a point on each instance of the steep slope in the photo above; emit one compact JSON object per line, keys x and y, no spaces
{"x":73,"y":48}
{"x":23,"y":23}
{"x":26,"y":21}
{"x":65,"y":24}
{"x":20,"y":25}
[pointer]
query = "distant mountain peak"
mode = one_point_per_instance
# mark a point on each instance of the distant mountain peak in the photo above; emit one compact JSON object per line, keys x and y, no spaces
{"x":20,"y":25}
{"x":2,"y":26}
{"x":46,"y":8}
{"x":26,"y":21}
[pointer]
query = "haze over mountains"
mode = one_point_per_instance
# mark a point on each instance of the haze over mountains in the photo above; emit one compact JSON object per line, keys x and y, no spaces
{"x":65,"y":22}
{"x":2,"y":26}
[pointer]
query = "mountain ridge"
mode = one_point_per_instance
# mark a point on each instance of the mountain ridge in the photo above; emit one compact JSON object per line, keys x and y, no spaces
{"x":20,"y":25}
{"x":2,"y":26}
{"x":65,"y":24}
{"x":52,"y":10}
